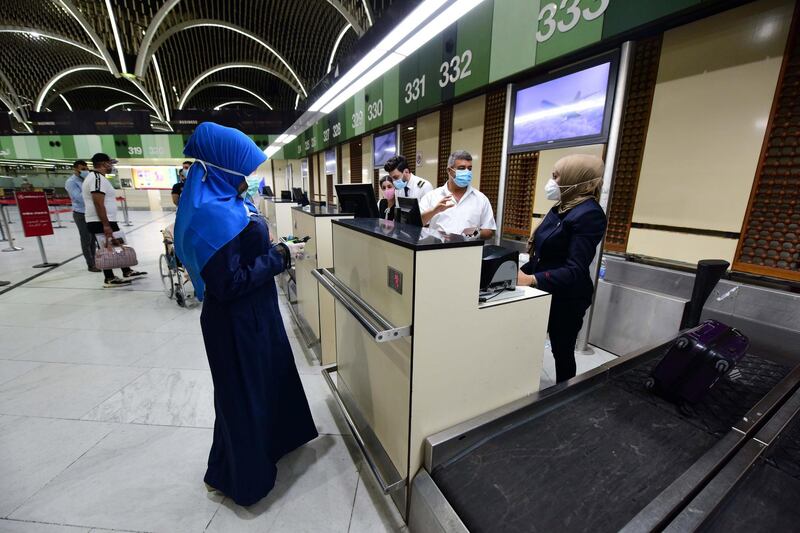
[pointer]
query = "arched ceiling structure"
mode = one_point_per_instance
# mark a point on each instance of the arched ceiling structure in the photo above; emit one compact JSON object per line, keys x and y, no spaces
{"x":163,"y":55}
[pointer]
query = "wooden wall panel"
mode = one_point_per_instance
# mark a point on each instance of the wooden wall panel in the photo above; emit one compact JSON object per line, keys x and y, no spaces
{"x":520,"y":184}
{"x":408,"y":143}
{"x":355,"y":161}
{"x":638,"y":104}
{"x":445,"y":140}
{"x":770,"y":239}
{"x":492,"y":153}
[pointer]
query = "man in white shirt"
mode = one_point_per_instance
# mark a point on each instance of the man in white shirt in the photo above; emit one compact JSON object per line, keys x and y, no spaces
{"x":406,"y":184}
{"x":457,"y":207}
{"x":100,"y":200}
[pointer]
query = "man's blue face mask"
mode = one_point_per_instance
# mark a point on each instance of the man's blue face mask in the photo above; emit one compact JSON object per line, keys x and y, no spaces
{"x":399,"y":184}
{"x":463,"y":178}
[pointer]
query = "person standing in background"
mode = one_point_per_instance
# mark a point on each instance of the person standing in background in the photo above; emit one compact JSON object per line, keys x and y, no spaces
{"x":74,"y":186}
{"x":386,"y":205}
{"x":407,"y":184}
{"x":100,"y":199}
{"x":177,"y":189}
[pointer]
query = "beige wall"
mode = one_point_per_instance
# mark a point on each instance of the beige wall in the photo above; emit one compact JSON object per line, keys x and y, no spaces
{"x":366,"y":159}
{"x":468,"y":133}
{"x":684,"y":247}
{"x":346,"y":163}
{"x":428,"y":146}
{"x":715,"y":87}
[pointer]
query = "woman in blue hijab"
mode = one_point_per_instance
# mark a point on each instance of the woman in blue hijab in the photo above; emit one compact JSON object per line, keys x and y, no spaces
{"x":261,"y":409}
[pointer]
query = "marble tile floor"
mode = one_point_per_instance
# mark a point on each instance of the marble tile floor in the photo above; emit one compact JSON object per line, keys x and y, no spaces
{"x":106,"y":410}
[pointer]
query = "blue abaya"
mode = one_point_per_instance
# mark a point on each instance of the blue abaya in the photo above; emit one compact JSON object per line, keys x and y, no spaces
{"x":262,"y":412}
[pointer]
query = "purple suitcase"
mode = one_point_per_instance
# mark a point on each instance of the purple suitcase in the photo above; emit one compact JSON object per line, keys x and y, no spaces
{"x":696,"y":360}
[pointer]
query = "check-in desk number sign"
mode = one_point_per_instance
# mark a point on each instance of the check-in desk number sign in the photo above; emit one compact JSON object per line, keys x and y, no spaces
{"x":395,"y":280}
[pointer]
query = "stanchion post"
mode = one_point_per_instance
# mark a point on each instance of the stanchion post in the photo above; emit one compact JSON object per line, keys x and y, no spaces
{"x":44,"y":263}
{"x":58,"y":219}
{"x":7,"y":231}
{"x":125,"y":209}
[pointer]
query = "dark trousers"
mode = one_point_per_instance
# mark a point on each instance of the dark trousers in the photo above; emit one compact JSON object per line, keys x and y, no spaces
{"x":86,"y":238}
{"x":566,"y":319}
{"x":95,"y":229}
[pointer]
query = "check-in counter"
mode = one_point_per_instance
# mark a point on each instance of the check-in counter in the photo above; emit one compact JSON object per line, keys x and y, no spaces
{"x":314,"y":309}
{"x":279,"y":217}
{"x":416,"y":350}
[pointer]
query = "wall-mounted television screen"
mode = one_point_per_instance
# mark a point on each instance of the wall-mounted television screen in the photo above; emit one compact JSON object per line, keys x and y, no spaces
{"x":330,"y":161}
{"x":565,"y":110}
{"x":154,"y":177}
{"x":384,"y":146}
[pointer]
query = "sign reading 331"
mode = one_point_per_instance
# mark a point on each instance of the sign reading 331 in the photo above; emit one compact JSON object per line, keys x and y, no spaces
{"x":573,"y":11}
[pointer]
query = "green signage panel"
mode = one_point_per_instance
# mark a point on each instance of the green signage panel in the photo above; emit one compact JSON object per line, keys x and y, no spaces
{"x":469,"y":67}
{"x":563,"y":29}
{"x":374,"y":105}
{"x":513,"y":42}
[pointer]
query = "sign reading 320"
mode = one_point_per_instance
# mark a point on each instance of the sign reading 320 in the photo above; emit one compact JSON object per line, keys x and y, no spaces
{"x":572,"y":16}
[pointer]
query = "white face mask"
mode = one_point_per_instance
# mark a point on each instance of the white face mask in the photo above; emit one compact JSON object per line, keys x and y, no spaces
{"x":551,"y":190}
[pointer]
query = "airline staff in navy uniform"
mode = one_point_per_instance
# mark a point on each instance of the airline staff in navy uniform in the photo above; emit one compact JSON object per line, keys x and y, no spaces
{"x":563,"y":247}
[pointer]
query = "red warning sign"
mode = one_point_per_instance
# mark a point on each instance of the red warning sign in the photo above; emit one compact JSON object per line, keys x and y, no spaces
{"x":35,"y":214}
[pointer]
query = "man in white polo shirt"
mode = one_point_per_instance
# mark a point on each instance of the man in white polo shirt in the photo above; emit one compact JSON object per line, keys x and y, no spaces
{"x":457,"y":207}
{"x":100,"y":200}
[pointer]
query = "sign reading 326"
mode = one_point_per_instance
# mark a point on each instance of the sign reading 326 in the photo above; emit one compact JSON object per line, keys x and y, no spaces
{"x":572,"y":16}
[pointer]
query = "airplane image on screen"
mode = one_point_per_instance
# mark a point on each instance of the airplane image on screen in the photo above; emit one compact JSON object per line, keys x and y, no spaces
{"x":569,"y":114}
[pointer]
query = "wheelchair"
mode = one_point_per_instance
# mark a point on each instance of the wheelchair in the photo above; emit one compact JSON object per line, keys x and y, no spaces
{"x":174,"y":277}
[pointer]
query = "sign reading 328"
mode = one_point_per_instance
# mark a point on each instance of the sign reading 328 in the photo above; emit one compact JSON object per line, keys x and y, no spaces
{"x":572,"y":16}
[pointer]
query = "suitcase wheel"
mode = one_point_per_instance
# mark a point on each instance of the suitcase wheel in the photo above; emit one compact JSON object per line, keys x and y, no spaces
{"x":682,"y":343}
{"x":722,"y":366}
{"x":650,"y":384}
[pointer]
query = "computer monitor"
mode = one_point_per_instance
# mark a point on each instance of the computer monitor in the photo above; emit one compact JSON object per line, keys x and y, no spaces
{"x":304,"y":200}
{"x":408,"y":211}
{"x":357,"y":198}
{"x":286,"y":195}
{"x":297,"y":194}
{"x":267,"y":191}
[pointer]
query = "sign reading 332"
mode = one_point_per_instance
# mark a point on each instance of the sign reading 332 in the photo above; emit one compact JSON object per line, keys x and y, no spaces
{"x":573,"y":12}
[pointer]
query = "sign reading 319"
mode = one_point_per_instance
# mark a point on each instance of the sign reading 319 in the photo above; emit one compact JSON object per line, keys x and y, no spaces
{"x":572,"y":15}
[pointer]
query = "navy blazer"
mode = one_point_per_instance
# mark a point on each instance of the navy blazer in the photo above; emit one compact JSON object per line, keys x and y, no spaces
{"x":564,"y":246}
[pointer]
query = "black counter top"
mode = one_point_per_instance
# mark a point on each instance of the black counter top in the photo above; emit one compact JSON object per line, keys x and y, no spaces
{"x":317,"y":211}
{"x":279,"y":201}
{"x":407,"y":236}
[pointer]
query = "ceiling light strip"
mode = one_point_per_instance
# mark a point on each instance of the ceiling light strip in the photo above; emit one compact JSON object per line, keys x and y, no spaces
{"x":336,"y":45}
{"x":73,"y":11}
{"x":43,"y":34}
{"x":233,"y":102}
{"x":49,"y":85}
{"x":114,"y":29}
{"x":65,"y":101}
{"x":161,"y":87}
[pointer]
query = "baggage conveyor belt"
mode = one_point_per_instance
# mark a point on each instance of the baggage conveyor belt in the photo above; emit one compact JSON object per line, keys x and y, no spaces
{"x":593,"y":458}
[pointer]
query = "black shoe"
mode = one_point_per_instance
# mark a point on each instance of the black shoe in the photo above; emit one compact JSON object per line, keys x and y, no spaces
{"x":116,"y":282}
{"x":94,"y":269}
{"x":133,"y":274}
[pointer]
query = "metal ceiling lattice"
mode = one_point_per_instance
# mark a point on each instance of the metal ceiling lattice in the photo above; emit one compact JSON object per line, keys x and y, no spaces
{"x":275,"y":50}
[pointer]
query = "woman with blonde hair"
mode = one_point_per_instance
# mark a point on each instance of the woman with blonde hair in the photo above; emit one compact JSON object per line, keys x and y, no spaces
{"x":562,"y":248}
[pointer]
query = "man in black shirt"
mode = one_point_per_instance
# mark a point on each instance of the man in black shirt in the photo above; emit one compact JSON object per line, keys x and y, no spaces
{"x":177,"y":189}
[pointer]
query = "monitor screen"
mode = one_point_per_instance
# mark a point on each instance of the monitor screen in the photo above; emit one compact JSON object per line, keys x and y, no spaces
{"x":569,"y":109}
{"x":408,"y":211}
{"x":286,"y":195}
{"x":154,"y":177}
{"x":330,"y":161}
{"x":358,"y":199}
{"x":297,"y":194}
{"x":384,"y":146}
{"x":267,"y":191}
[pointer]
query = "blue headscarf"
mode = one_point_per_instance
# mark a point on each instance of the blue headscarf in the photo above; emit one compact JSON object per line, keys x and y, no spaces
{"x":211,"y":212}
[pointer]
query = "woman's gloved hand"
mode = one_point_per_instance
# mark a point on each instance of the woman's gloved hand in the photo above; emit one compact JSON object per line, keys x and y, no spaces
{"x":296,"y":250}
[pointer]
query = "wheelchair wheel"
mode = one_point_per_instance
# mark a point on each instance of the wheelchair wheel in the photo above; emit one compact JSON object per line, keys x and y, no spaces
{"x":180,"y":290}
{"x":166,"y":276}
